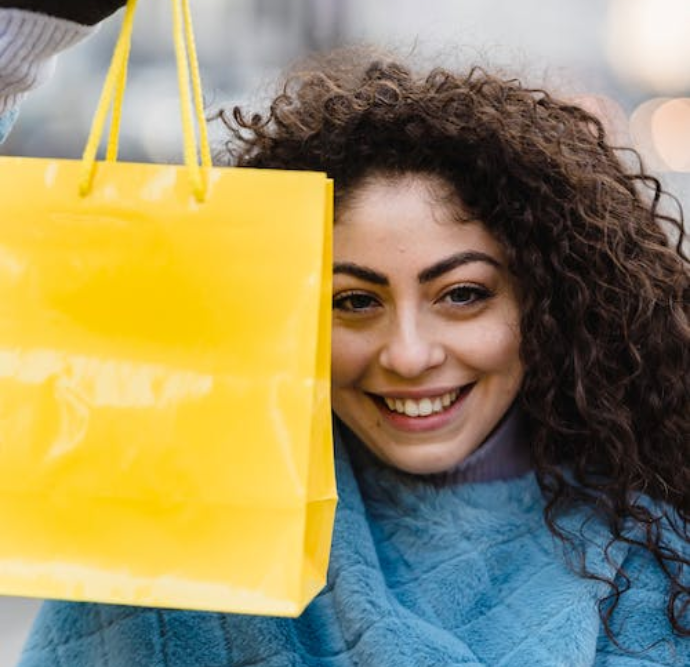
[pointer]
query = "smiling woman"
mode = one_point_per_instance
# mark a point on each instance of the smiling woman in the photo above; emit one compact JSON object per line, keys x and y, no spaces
{"x":508,"y":296}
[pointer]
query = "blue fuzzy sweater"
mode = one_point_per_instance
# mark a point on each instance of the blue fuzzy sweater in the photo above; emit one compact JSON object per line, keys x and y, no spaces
{"x":422,"y":573}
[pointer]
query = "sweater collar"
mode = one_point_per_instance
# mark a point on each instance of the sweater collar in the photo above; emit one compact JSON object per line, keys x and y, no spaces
{"x":503,"y":455}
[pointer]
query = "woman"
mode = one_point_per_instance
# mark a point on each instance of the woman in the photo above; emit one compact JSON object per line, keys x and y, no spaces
{"x":510,"y":378}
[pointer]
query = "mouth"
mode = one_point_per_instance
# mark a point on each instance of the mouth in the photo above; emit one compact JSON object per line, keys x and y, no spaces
{"x":425,"y":407}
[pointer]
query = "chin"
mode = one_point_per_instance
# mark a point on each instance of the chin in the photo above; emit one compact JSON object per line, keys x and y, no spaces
{"x":431,"y":461}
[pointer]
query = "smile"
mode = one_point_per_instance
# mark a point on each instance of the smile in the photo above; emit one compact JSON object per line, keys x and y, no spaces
{"x":424,"y":407}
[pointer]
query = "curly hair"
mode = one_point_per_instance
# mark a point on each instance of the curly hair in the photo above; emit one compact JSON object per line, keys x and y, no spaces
{"x":600,"y":263}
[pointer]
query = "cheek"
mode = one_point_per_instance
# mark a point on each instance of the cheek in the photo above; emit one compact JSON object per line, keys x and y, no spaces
{"x":494,"y":349}
{"x":351,"y":354}
{"x":505,"y":360}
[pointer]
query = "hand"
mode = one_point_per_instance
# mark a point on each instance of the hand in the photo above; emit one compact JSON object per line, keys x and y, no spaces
{"x":87,"y":12}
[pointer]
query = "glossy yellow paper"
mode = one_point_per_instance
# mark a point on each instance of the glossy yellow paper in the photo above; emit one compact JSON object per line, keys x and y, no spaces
{"x":164,"y":391}
{"x":165,"y":433}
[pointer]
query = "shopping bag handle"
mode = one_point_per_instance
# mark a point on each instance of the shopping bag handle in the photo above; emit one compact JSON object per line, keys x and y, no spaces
{"x":197,"y":155}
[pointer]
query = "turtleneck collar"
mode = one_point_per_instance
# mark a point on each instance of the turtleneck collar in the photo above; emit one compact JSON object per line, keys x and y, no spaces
{"x":503,"y":455}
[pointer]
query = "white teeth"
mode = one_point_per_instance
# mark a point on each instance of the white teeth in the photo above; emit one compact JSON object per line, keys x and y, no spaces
{"x":423,"y":407}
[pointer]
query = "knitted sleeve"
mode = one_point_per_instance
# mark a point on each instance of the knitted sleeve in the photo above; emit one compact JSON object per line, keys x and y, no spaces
{"x":29,"y":42}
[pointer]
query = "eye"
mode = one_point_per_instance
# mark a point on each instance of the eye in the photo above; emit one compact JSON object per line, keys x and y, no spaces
{"x":466,"y":295}
{"x":354,"y":302}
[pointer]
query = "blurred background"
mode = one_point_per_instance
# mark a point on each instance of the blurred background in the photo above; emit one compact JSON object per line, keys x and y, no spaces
{"x":627,"y":60}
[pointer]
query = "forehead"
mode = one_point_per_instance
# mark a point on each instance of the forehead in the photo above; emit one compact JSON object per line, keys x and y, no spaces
{"x":414,"y":218}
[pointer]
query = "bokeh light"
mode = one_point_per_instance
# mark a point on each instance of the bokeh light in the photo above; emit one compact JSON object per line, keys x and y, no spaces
{"x":670,"y":125}
{"x":660,"y":129}
{"x":648,"y":44}
{"x":641,"y":133}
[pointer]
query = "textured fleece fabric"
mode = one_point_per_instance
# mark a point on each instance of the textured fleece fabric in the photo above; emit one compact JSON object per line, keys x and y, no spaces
{"x":421,"y":574}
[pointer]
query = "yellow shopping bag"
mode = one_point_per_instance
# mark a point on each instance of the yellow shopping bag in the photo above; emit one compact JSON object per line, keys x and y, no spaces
{"x":165,"y":433}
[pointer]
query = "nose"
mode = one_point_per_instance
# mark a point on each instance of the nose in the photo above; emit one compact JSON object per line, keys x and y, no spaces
{"x":410,"y":350}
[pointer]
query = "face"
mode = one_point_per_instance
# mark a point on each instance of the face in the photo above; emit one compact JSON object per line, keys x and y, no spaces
{"x":425,"y":325}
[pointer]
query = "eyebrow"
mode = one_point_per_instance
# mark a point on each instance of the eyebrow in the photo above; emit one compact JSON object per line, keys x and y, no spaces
{"x":360,"y":272}
{"x":426,"y":275}
{"x":453,"y":262}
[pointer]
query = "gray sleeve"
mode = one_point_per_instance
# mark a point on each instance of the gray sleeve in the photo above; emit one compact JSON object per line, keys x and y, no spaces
{"x":29,"y":42}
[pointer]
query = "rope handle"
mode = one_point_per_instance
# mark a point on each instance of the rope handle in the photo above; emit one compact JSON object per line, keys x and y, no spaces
{"x":197,"y":155}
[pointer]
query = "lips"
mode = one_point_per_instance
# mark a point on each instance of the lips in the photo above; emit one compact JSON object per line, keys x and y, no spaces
{"x":423,"y":407}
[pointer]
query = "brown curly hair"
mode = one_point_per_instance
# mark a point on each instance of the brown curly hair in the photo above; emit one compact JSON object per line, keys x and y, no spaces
{"x":601,"y":266}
